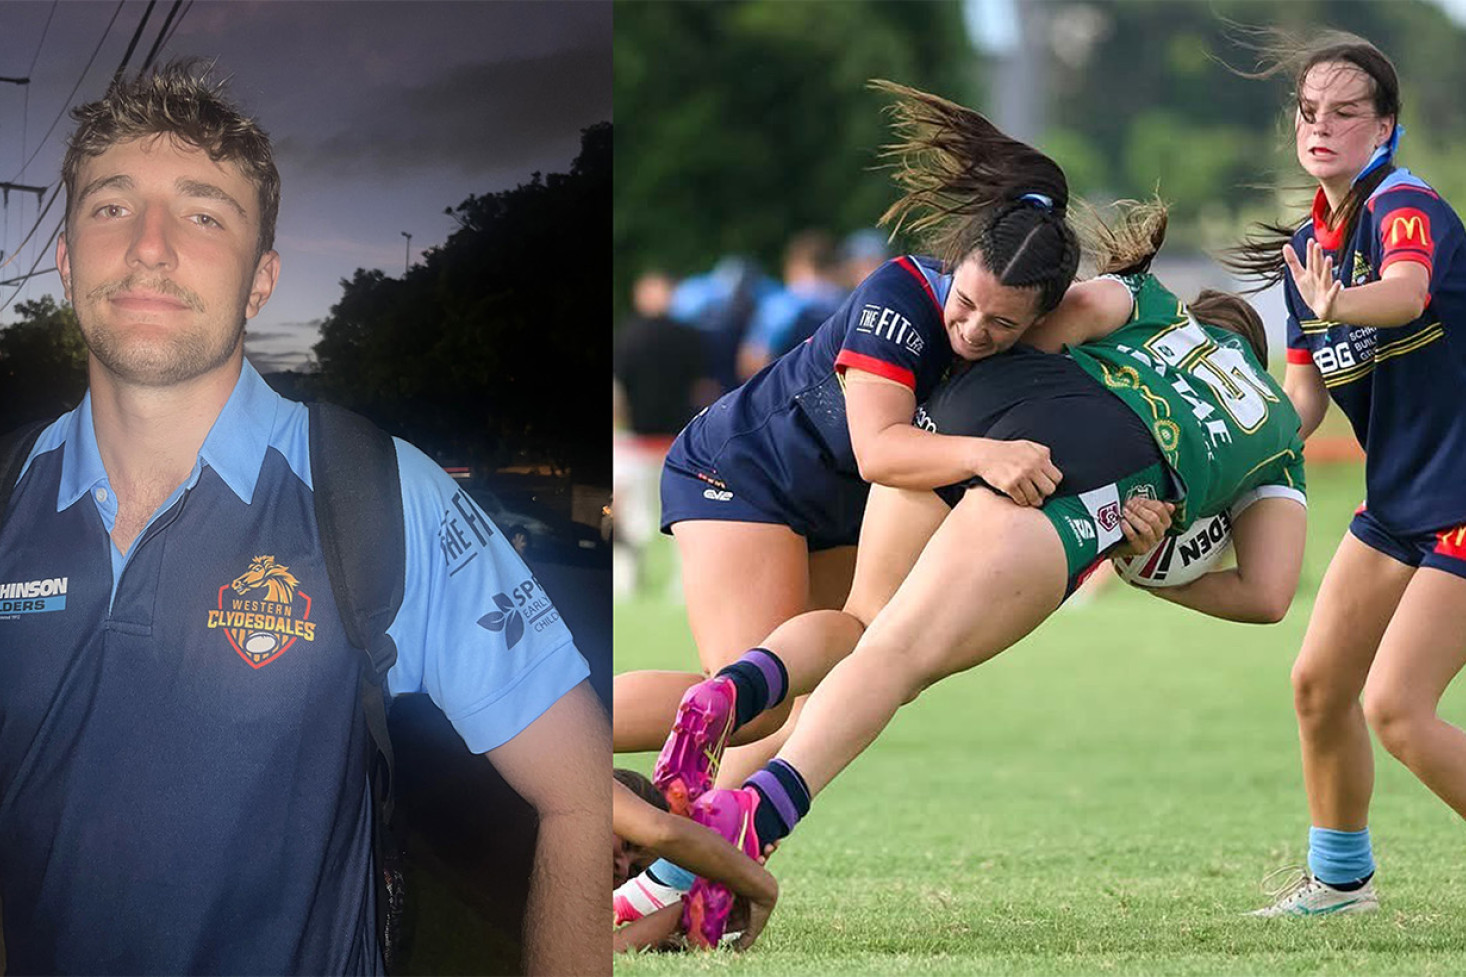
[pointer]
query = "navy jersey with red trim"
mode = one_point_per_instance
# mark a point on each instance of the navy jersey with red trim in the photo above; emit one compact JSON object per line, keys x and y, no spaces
{"x":1400,"y":387}
{"x":891,"y":325}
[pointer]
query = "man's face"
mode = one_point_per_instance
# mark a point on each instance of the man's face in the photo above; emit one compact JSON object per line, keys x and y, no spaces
{"x":159,"y":260}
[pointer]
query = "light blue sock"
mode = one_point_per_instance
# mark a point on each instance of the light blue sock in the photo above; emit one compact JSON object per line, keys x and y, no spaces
{"x":1339,"y":857}
{"x":673,"y":875}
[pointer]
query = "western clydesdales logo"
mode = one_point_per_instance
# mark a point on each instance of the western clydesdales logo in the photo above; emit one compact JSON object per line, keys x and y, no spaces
{"x":262,"y":611}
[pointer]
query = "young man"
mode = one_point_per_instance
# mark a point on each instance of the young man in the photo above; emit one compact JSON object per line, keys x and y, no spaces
{"x":183,"y":775}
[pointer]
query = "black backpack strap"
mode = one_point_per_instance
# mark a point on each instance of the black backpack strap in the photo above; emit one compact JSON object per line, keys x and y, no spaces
{"x":358,"y":502}
{"x":14,"y":449}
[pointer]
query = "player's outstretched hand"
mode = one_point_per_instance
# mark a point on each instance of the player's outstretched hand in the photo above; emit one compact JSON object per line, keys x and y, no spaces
{"x":1144,"y":523}
{"x":1314,"y":280}
{"x":757,"y":916}
{"x":1021,"y":470}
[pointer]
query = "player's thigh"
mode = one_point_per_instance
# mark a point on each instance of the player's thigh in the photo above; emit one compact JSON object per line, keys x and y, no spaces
{"x":897,"y":525}
{"x":741,"y":580}
{"x":1423,"y":648}
{"x":830,"y":573}
{"x":991,"y":573}
{"x":1358,"y":595}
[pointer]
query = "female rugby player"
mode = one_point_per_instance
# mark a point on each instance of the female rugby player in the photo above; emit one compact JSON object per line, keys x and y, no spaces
{"x":1375,"y":285}
{"x":764,"y":490}
{"x":642,"y":828}
{"x":1154,"y":401}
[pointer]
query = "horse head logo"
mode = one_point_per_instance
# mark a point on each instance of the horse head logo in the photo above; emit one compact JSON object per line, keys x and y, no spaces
{"x":278,"y":581}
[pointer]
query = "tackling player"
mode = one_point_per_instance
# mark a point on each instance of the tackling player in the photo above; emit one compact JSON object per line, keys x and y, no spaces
{"x":1158,"y":402}
{"x":1375,"y":285}
{"x":764,"y":490}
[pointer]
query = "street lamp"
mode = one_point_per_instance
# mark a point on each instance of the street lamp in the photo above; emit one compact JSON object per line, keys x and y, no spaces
{"x":406,"y":252}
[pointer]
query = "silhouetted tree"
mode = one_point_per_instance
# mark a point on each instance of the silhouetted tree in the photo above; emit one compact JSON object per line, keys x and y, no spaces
{"x":491,"y":348}
{"x":43,"y":363}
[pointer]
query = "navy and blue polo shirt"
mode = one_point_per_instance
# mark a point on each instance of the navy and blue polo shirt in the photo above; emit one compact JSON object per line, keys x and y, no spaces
{"x":1400,"y":387}
{"x":182,"y":751}
{"x":777,"y":449}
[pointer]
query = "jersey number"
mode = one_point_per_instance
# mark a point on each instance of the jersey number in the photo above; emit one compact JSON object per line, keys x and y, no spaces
{"x":1234,"y":381}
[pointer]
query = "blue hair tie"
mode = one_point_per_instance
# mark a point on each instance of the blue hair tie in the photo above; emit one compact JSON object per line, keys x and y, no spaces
{"x":1384,"y":154}
{"x":1042,"y":201}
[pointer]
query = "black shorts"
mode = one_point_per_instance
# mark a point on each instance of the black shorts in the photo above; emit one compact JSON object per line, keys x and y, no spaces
{"x":1093,"y":438}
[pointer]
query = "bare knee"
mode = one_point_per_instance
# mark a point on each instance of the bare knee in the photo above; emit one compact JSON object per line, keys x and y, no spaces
{"x":1321,"y":695}
{"x":1398,"y":720}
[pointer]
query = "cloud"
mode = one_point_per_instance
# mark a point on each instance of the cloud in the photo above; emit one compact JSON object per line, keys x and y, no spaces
{"x":503,"y":116}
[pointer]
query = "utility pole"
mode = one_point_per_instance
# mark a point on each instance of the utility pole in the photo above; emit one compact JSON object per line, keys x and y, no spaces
{"x":16,"y":81}
{"x":5,"y":189}
{"x":406,"y":252}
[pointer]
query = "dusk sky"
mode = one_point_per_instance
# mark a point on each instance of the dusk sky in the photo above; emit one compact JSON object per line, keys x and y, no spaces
{"x":382,"y":115}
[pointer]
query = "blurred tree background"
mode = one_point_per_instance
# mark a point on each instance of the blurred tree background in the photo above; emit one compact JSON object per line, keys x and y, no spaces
{"x":740,"y":123}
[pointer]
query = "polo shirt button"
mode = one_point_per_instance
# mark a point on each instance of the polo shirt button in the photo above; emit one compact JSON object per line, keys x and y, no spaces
{"x":101,"y":494}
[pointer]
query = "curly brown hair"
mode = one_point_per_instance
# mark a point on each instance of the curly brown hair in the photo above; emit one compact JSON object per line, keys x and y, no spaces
{"x":182,"y":101}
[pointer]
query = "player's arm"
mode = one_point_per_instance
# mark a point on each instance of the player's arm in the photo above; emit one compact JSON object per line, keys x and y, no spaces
{"x":697,"y":849}
{"x":1090,"y":310}
{"x":650,"y":931}
{"x":1268,"y":539}
{"x":1397,"y":299}
{"x":558,"y":764}
{"x":1303,"y":383}
{"x":890,"y":451}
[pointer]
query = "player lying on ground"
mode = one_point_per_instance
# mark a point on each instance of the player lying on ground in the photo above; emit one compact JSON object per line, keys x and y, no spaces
{"x":1159,"y":402}
{"x":642,"y":829}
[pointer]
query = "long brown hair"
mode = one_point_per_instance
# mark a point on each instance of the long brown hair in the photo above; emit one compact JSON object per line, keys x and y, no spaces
{"x":1233,"y":313}
{"x":1259,"y":256}
{"x":971,"y":188}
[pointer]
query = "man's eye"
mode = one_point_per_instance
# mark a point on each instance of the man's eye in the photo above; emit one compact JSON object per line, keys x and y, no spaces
{"x":204,"y":220}
{"x":109,"y":210}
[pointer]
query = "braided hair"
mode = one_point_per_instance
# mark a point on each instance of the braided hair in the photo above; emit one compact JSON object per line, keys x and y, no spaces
{"x":970,"y":189}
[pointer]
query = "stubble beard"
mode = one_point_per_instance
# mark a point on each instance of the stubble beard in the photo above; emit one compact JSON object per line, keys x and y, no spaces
{"x":181,"y":355}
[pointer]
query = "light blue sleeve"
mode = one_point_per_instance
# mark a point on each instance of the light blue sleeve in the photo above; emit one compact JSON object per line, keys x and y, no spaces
{"x":773,"y":318}
{"x":476,"y":631}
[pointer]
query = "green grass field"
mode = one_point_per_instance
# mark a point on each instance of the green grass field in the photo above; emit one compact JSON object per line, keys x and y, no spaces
{"x":1102,"y":798}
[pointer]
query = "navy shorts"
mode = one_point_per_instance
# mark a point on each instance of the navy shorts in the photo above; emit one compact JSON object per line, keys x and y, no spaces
{"x":1443,"y":549}
{"x":778,"y":474}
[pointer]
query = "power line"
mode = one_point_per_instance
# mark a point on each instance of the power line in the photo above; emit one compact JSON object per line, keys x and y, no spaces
{"x":162,"y":35}
{"x":42,"y":43}
{"x":67,"y":104}
{"x":132,"y":44}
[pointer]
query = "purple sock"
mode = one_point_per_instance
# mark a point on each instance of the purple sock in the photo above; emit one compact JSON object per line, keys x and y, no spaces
{"x":761,"y":680}
{"x":784,"y":799}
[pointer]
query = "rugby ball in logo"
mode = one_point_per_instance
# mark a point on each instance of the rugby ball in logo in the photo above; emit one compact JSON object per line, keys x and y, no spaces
{"x":1178,"y":560}
{"x":260,"y":642}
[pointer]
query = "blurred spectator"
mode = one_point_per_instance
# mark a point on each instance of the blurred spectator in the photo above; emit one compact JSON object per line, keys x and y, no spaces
{"x":720,"y":305}
{"x":861,"y":253}
{"x":789,"y":316}
{"x":660,"y":380}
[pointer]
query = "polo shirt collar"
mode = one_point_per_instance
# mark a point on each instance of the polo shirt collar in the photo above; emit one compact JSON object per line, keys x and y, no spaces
{"x":234,"y":448}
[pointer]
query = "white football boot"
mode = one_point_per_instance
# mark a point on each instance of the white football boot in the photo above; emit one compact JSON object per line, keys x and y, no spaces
{"x":1303,"y":895}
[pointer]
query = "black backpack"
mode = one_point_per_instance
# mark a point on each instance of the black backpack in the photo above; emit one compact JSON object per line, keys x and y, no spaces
{"x":358,"y":503}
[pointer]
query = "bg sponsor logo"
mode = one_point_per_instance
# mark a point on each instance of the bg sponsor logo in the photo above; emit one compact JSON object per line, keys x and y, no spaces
{"x":717,"y":495}
{"x":526,"y":606}
{"x":266,"y":614}
{"x":463,"y":532}
{"x":33,"y":596}
{"x":888,"y":324}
